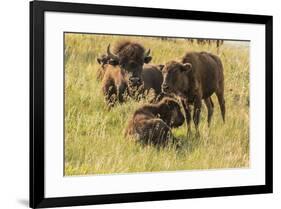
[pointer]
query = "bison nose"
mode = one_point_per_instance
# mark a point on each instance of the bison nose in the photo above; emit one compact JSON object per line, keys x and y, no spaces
{"x":165,"y":87}
{"x":135,"y":80}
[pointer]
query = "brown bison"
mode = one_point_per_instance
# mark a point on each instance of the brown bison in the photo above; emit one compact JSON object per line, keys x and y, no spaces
{"x":203,"y":41}
{"x":152,"y":77}
{"x":196,"y":77}
{"x":114,"y":85}
{"x":218,"y":43}
{"x":152,"y":123}
{"x":152,"y":80}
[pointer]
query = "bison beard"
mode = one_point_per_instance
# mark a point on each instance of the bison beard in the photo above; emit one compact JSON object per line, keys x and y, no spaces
{"x":151,"y":124}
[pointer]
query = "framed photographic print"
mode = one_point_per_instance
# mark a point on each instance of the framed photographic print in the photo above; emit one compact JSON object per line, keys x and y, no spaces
{"x":133,"y":104}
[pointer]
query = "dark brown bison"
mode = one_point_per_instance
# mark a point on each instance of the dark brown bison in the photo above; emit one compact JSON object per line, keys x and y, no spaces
{"x":130,"y":56}
{"x":190,"y":40}
{"x":196,"y":77}
{"x":218,"y":43}
{"x":203,"y":41}
{"x":152,"y":77}
{"x":114,"y":85}
{"x":152,"y":123}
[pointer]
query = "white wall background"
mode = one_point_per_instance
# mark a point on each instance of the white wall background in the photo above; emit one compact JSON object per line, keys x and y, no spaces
{"x":14,"y":103}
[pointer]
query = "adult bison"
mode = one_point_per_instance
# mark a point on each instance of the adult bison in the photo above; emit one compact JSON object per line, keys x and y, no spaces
{"x":196,"y":77}
{"x":152,"y":123}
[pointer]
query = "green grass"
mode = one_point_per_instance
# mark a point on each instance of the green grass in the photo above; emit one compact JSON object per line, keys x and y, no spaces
{"x":94,"y":140}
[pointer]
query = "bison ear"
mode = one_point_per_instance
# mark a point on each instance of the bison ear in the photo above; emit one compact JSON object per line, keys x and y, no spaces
{"x":147,"y":59}
{"x":99,"y":60}
{"x":186,"y":67}
{"x":160,"y":67}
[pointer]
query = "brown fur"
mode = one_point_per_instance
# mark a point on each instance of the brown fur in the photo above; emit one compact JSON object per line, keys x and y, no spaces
{"x":151,"y":76}
{"x":114,"y":85}
{"x":130,"y":50}
{"x":152,"y":123}
{"x":102,"y":60}
{"x":131,"y":57}
{"x":196,"y":77}
{"x":152,"y":79}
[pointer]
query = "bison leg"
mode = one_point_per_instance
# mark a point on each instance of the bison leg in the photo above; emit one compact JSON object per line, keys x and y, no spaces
{"x":221,"y":103}
{"x":109,"y":91}
{"x":187,"y":113}
{"x":210,"y":107}
{"x":121,"y":91}
{"x":197,"y":111}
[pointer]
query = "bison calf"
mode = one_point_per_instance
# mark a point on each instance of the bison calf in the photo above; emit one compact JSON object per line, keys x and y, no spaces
{"x":152,"y":123}
{"x":196,"y":77}
{"x":114,"y":85}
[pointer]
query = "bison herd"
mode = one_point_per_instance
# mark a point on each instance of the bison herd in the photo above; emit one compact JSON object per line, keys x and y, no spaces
{"x":125,"y":72}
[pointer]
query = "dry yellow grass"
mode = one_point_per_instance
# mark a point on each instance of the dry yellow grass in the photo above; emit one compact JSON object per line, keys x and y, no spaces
{"x":94,"y":141}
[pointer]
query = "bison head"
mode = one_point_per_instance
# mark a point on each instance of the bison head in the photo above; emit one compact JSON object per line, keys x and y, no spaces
{"x":130,"y":57}
{"x":176,"y":77}
{"x":171,"y":112}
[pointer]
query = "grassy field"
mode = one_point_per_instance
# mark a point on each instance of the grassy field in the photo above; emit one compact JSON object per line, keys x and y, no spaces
{"x":94,"y":140}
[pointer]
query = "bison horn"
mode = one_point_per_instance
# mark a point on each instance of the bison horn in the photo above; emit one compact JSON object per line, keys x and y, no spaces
{"x":110,"y":54}
{"x":147,"y":53}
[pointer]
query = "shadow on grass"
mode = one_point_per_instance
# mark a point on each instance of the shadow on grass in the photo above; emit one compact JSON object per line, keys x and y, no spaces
{"x":182,"y":144}
{"x":187,"y":143}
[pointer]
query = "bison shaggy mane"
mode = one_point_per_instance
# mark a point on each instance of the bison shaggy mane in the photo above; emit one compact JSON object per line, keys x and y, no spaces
{"x":129,"y":49}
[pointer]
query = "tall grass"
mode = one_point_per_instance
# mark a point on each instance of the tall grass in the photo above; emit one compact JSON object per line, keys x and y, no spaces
{"x":94,"y":140}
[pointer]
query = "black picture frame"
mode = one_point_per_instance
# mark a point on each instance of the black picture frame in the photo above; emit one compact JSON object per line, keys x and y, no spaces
{"x":37,"y":101}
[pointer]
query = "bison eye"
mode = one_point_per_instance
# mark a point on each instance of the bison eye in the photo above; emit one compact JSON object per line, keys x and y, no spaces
{"x":123,"y":65}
